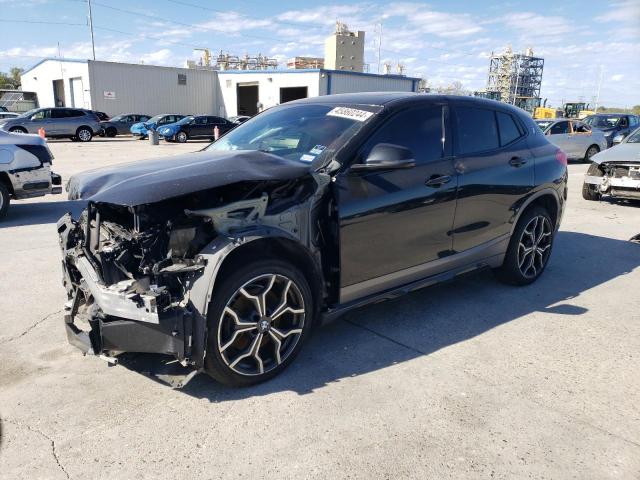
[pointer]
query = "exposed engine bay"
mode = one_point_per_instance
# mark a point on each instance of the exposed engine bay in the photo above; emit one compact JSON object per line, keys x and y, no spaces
{"x":139,"y":278}
{"x":620,"y":179}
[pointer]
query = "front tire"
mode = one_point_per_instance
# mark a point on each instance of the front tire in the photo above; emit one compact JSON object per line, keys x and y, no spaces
{"x":111,"y":132}
{"x":258,"y":320}
{"x":590,"y":192}
{"x":529,"y":248}
{"x":5,"y":199}
{"x":84,"y":134}
{"x":18,"y":130}
{"x":181,"y":137}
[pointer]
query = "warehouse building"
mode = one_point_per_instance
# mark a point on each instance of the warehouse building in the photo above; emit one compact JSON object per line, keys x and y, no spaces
{"x":121,"y":87}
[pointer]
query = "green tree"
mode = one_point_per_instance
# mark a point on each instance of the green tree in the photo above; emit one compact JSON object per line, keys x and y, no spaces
{"x":11,"y":79}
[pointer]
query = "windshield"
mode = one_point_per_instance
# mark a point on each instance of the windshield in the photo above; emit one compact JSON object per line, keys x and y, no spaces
{"x":117,"y":118}
{"x":544,"y":124}
{"x":155,"y":119}
{"x":184,"y":121}
{"x":29,"y":113}
{"x":634,"y":137}
{"x":601,"y":122}
{"x":300,"y":132}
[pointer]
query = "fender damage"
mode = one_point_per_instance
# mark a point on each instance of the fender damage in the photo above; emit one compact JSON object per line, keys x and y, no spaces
{"x":140,"y":267}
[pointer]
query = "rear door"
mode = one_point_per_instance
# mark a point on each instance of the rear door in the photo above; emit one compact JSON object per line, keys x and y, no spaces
{"x":394,"y":220}
{"x":496,"y":170}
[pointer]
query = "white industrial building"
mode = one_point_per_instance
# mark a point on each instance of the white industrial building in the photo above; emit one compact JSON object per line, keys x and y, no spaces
{"x":120,"y":87}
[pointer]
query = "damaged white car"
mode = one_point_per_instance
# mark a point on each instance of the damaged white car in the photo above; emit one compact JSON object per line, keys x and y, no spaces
{"x":615,"y":172}
{"x":25,"y":169}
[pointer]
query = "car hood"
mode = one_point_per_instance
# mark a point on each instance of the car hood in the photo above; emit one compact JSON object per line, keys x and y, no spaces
{"x":624,"y":152}
{"x":155,"y":180}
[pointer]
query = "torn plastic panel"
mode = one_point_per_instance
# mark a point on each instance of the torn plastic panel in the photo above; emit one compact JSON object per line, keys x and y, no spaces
{"x":140,"y":278}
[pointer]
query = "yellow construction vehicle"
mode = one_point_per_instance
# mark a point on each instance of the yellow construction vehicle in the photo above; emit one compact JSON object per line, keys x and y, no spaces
{"x":577,"y":110}
{"x":546,"y":112}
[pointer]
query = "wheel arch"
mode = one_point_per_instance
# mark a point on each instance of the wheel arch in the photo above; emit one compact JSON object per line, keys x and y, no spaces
{"x":548,"y":199}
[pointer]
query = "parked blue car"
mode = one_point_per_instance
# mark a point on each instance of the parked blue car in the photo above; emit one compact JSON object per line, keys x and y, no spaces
{"x":141,"y":129}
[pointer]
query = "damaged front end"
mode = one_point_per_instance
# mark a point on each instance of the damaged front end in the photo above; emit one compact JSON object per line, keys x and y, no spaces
{"x":139,"y":278}
{"x":619,"y":179}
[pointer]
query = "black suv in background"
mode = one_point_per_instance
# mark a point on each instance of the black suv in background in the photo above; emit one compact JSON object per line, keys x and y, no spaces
{"x":226,"y":258}
{"x":613,"y":125}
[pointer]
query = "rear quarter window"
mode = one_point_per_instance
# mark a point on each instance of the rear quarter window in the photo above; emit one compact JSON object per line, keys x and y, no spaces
{"x":508,"y":128}
{"x":476,"y":130}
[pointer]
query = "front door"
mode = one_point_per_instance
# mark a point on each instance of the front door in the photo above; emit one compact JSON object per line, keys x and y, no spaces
{"x":393,"y":222}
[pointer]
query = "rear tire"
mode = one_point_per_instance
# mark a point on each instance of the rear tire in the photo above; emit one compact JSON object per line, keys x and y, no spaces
{"x":245,"y":345}
{"x":18,"y":130}
{"x":5,"y":199}
{"x":84,"y":134}
{"x":529,"y":248}
{"x":589,"y":192}
{"x":591,"y":151}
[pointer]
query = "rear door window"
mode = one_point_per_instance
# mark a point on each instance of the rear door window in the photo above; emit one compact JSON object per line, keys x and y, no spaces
{"x":476,"y":129}
{"x":418,"y":129}
{"x":509,"y":130}
{"x":59,"y":113}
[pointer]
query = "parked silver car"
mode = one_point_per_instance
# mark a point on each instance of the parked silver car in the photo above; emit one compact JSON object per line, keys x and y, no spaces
{"x":74,"y":123}
{"x":577,"y":139}
{"x":615,"y":172}
{"x":7,"y":115}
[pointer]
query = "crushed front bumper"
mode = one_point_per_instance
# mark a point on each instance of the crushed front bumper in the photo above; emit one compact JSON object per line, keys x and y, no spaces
{"x":109,"y":319}
{"x":622,"y":186}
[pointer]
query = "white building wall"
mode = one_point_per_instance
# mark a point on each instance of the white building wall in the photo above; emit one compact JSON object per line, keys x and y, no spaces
{"x":269,"y":84}
{"x":40,"y":79}
{"x":332,"y":82}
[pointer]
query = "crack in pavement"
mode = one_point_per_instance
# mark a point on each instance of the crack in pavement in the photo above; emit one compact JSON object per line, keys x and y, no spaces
{"x":31,"y":327}
{"x":44,"y":435}
{"x":486,"y":382}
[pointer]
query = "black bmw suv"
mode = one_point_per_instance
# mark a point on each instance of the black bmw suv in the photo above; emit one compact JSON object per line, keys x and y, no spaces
{"x":228,"y":257}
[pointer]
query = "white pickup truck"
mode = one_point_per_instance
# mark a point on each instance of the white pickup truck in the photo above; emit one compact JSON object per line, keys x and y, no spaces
{"x":25,"y":169}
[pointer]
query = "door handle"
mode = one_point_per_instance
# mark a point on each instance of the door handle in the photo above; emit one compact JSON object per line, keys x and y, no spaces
{"x":517,"y":162}
{"x":437,"y":180}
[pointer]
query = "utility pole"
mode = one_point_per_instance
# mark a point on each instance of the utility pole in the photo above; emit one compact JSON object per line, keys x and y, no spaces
{"x":379,"y":44}
{"x":93,"y":44}
{"x":599,"y":86}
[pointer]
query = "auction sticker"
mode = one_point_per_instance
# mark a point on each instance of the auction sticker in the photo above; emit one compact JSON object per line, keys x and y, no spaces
{"x":307,"y":158}
{"x":350,"y":113}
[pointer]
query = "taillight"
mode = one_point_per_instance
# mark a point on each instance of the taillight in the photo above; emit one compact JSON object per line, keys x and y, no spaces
{"x":561,"y":157}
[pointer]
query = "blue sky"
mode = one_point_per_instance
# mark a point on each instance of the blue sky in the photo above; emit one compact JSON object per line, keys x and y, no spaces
{"x":442,"y":41}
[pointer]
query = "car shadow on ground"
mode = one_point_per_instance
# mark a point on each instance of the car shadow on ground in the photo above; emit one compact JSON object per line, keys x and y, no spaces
{"x":38,"y":213}
{"x":416,"y":325}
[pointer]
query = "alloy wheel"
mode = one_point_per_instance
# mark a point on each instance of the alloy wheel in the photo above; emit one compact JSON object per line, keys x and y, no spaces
{"x":84,"y":135}
{"x":181,"y":137}
{"x":261,"y":324}
{"x":534,"y":247}
{"x":591,"y":152}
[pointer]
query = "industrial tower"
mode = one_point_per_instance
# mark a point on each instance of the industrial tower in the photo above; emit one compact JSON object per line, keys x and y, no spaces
{"x":515,"y":78}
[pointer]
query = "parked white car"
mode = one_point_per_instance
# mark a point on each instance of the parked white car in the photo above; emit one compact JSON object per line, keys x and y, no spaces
{"x":574,"y":137}
{"x":615,"y":172}
{"x":25,"y":169}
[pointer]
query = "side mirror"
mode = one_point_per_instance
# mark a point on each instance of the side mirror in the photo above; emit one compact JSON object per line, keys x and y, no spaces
{"x":386,"y":156}
{"x":618,"y":139}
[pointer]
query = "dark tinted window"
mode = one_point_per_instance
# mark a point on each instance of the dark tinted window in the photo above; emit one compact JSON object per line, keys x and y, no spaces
{"x":217,"y":120}
{"x":58,"y":113}
{"x":419,"y":130}
{"x":560,"y":128}
{"x":74,"y":113}
{"x":476,"y":129}
{"x":508,"y":127}
{"x":202,"y":120}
